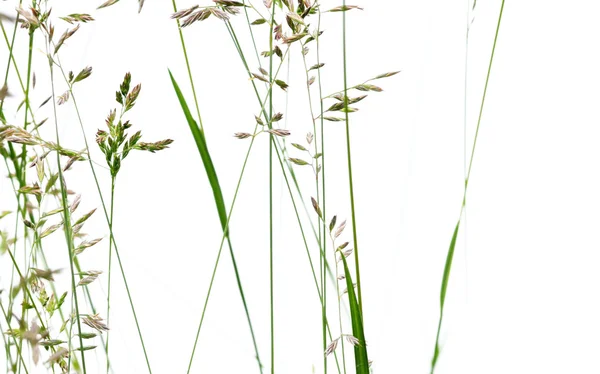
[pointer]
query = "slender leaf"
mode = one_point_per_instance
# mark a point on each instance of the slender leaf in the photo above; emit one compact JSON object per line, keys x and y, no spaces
{"x":361,"y":358}
{"x":198,"y":135}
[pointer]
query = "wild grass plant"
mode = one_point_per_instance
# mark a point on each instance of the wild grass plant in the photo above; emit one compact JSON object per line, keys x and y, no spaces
{"x":59,"y":326}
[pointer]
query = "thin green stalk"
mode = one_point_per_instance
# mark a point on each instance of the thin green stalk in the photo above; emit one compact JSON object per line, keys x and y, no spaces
{"x":324,"y":207}
{"x":450,"y":255}
{"x":67,"y":221}
{"x":24,"y":152}
{"x":321,"y":228}
{"x":271,"y":195}
{"x":466,"y":74}
{"x":251,"y":32}
{"x":360,"y":350}
{"x":27,"y":86}
{"x":271,"y":255}
{"x":110,"y":224}
{"x":350,"y":179}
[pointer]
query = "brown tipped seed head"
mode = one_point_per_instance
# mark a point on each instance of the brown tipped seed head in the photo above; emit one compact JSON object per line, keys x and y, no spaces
{"x":279,"y":132}
{"x":242,"y":135}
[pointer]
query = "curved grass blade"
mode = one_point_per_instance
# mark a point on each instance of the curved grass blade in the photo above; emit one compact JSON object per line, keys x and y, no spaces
{"x":443,"y":290}
{"x":211,"y":173}
{"x":450,"y":255}
{"x":361,"y":358}
{"x":198,"y":135}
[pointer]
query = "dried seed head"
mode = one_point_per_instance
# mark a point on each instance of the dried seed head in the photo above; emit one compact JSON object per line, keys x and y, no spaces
{"x":293,"y":38}
{"x":331,"y":347}
{"x":67,"y":34}
{"x":87,"y":280}
{"x":279,"y":132}
{"x":345,"y":253}
{"x":183,"y":13}
{"x":316,"y":207}
{"x":229,"y":3}
{"x":277,"y":32}
{"x":344,"y":8}
{"x":277,"y":117}
{"x":107,"y":3}
{"x":340,"y":228}
{"x":368,"y":87}
{"x":86,"y":244}
{"x":309,"y":137}
{"x":199,"y":15}
{"x":242,"y":135}
{"x":70,"y":163}
{"x":385,"y":75}
{"x":60,"y":353}
{"x":94,"y":321}
{"x":76,"y":17}
{"x":63,"y":98}
{"x":75,"y":203}
{"x":352,"y":340}
{"x":219,"y":14}
{"x":29,"y":17}
{"x":260,"y":77}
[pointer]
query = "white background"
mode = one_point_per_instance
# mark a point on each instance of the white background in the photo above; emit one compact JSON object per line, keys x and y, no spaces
{"x":523,"y":291}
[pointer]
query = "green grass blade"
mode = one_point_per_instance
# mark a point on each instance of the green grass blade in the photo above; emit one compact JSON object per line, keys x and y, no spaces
{"x":361,"y":358}
{"x":198,"y":135}
{"x":211,"y":172}
{"x":445,"y":279}
{"x":450,"y":255}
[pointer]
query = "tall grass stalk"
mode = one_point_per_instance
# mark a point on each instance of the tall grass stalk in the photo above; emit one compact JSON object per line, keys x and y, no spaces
{"x":450,"y":255}
{"x":270,"y":120}
{"x":465,"y":90}
{"x":360,"y":350}
{"x":66,"y":218}
{"x":323,"y":251}
{"x":349,"y":154}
